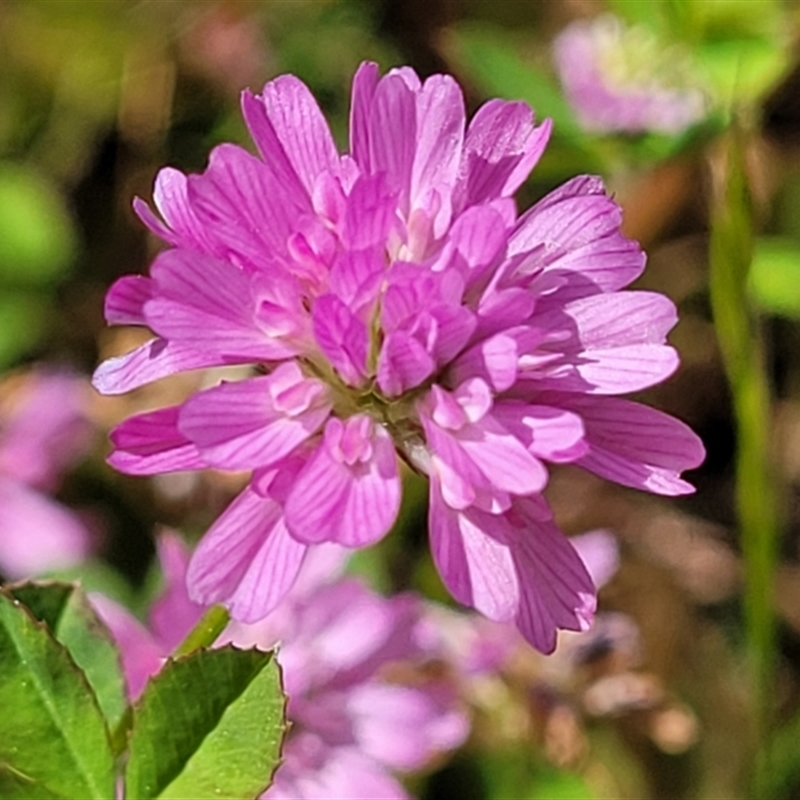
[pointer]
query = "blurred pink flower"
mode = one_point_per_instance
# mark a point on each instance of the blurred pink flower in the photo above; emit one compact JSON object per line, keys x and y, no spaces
{"x":352,"y":725}
{"x":144,"y":647}
{"x":617,"y":78}
{"x":43,"y":429}
{"x":392,"y":304}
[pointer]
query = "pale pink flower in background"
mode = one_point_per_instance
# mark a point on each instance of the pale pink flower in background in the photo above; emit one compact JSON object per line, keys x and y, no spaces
{"x":352,"y":724}
{"x":144,"y":647}
{"x":393,"y":307}
{"x":43,"y":430}
{"x":618,"y":78}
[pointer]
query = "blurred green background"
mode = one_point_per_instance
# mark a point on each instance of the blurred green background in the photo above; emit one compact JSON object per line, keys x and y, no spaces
{"x":97,"y":95}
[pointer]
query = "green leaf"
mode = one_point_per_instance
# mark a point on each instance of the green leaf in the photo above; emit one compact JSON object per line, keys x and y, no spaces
{"x":64,"y":608}
{"x":37,"y":240}
{"x":558,"y":785}
{"x":14,"y":786}
{"x":652,"y":13}
{"x":514,"y":773}
{"x":53,"y":731}
{"x":741,"y":70}
{"x":726,"y":19}
{"x":23,"y":318}
{"x":774,"y":278}
{"x":209,"y":725}
{"x":490,"y":59}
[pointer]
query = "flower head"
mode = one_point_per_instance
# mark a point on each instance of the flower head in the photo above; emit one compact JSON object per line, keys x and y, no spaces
{"x":393,"y":306}
{"x":619,"y":78}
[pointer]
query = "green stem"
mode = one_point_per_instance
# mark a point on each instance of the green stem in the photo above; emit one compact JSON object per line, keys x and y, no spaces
{"x":206,"y":632}
{"x":756,"y":496}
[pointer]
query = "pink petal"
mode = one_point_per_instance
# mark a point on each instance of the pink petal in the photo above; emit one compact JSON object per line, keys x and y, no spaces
{"x":154,"y":224}
{"x":403,"y":363}
{"x":474,"y":240}
{"x":150,"y":443}
{"x":636,"y":445}
{"x":370,"y":213}
{"x":404,"y":727}
{"x":377,"y":631}
{"x":37,"y":534}
{"x":494,"y":359}
{"x":503,"y":459}
{"x":172,"y":200}
{"x":466,"y":437}
{"x":269,"y":145}
{"x":301,"y":128}
{"x":257,"y":421}
{"x":447,"y":412}
{"x":242,"y":201}
{"x":620,"y":318}
{"x":476,"y":568}
{"x":439,"y":136}
{"x":608,"y":264}
{"x":556,"y":591}
{"x":393,"y":131}
{"x":246,"y":561}
{"x":502,"y":309}
{"x":549,"y":433}
{"x":269,"y":577}
{"x":342,"y":337}
{"x":462,"y":483}
{"x":407,"y":294}
{"x":599,"y":552}
{"x":356,"y":277}
{"x":319,"y":770}
{"x":617,"y":370}
{"x":45,"y":430}
{"x":173,"y":614}
{"x":364,"y":83}
{"x":141,"y":656}
{"x":615,"y":344}
{"x":210,"y":304}
{"x":502,"y":146}
{"x":572,"y":215}
{"x":453,"y":325}
{"x":577,"y":229}
{"x":350,"y":490}
{"x":126,"y":298}
{"x":182,"y":228}
{"x":151,"y":361}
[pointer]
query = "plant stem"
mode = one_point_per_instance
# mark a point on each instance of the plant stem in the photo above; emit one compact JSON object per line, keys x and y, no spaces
{"x":756,"y":496}
{"x":206,"y":632}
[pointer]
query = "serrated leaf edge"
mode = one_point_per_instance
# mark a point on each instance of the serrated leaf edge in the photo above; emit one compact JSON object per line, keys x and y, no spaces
{"x":172,"y":660}
{"x":76,"y":586}
{"x":45,"y":628}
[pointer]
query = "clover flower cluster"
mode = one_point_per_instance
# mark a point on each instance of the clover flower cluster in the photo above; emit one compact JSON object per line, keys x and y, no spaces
{"x":620,"y":78}
{"x":395,"y":308}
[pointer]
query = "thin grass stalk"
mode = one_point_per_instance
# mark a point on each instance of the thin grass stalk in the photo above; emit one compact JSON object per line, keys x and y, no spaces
{"x":742,"y":350}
